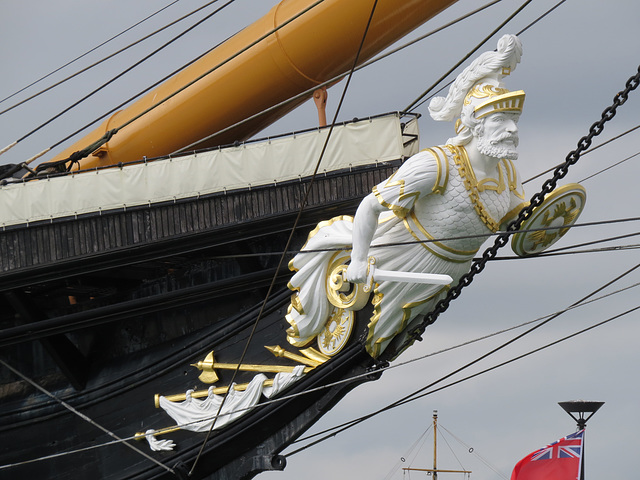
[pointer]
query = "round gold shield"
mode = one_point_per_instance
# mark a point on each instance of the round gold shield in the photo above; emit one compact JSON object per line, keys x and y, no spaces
{"x":550,"y":220}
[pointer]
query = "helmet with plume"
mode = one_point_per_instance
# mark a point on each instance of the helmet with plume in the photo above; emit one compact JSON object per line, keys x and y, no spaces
{"x":478,"y":91}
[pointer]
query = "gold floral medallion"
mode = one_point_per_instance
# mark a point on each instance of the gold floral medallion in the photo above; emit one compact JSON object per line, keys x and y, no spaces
{"x":336,"y":332}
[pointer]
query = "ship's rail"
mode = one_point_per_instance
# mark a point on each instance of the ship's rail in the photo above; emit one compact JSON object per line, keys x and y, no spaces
{"x":247,"y":165}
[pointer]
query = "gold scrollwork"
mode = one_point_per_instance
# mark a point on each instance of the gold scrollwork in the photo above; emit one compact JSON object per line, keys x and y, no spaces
{"x":343,"y":294}
{"x":484,"y":91}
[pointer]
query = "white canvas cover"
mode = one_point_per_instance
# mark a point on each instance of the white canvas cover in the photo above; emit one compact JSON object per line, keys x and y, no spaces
{"x":248,"y":165}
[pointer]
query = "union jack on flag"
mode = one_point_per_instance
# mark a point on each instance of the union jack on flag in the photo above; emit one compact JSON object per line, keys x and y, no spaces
{"x":560,"y":460}
{"x":569,"y":447}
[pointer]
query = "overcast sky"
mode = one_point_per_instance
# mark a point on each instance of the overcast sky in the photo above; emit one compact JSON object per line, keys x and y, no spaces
{"x":574,"y":62}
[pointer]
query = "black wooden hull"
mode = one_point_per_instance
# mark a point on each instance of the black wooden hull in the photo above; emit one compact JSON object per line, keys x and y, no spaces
{"x":115,"y":308}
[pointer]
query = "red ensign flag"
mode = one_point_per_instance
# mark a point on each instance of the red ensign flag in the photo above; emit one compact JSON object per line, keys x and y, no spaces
{"x":561,"y":460}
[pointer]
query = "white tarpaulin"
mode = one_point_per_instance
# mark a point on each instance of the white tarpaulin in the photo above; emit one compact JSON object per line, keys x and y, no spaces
{"x":248,"y":165}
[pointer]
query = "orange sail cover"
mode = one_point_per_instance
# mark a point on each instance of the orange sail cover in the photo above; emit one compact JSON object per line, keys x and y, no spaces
{"x":312,"y":49}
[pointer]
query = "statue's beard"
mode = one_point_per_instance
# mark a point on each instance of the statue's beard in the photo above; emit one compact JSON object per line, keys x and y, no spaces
{"x":503,"y":146}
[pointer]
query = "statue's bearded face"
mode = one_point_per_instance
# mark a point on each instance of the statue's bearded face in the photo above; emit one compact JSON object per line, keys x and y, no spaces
{"x":497,"y":135}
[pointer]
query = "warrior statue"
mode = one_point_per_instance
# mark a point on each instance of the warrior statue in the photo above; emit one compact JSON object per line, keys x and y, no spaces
{"x":431,"y":216}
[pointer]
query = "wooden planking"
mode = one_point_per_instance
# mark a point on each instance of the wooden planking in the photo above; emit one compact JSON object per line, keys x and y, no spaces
{"x":45,"y":243}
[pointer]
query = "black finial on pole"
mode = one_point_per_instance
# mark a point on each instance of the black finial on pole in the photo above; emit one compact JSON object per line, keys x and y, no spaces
{"x":581,"y":407}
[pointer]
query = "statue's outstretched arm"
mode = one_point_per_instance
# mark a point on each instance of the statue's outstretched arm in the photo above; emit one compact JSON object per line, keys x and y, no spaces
{"x":364,"y":226}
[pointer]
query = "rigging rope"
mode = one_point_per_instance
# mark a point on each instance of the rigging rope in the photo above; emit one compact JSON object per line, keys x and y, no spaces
{"x":617,"y":137}
{"x":111,"y":132}
{"x":346,"y":380}
{"x":200,"y":77}
{"x":548,"y":186}
{"x":78,"y":58}
{"x":615,"y":248}
{"x":83,"y":416}
{"x":303,"y":94}
{"x":82,"y":153}
{"x":420,"y":441}
{"x":438,"y":239}
{"x":450,"y":449}
{"x":473,"y":451}
{"x":419,"y":102}
{"x":48,"y":149}
{"x":414,"y":396}
{"x":364,"y":65}
{"x":580,"y":303}
{"x":584,"y":301}
{"x":497,"y":234}
{"x":335,"y":79}
{"x":560,"y":173}
{"x":412,"y":106}
{"x":293,"y":229}
{"x":609,"y":167}
{"x":550,"y":252}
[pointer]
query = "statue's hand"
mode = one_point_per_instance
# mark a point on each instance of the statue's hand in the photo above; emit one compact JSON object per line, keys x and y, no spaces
{"x":357,"y":271}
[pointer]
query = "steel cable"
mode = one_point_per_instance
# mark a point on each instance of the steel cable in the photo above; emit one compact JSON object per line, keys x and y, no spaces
{"x":293,"y":229}
{"x":82,"y":56}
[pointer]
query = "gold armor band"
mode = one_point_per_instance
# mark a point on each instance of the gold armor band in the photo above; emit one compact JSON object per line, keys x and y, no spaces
{"x":439,"y":249}
{"x":443,"y":169}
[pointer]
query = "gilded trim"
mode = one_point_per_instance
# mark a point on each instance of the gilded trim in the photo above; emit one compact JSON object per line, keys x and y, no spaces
{"x":353,"y":298}
{"x":375,"y":301}
{"x":374,"y":348}
{"x":465,"y":254}
{"x":292,"y":331}
{"x":296,"y":304}
{"x":466,"y":172}
{"x":280,"y":352}
{"x":442,"y":163}
{"x":312,"y":354}
{"x":299,"y":343}
{"x":396,"y":209}
{"x":512,"y":178}
{"x":484,"y":91}
{"x":488,"y":183}
{"x":382,"y":218}
{"x":497,"y":186}
{"x":513,"y":213}
{"x":507,"y":102}
{"x":320,"y":225}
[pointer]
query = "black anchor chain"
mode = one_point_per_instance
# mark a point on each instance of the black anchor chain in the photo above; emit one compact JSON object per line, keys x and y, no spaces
{"x":549,"y":185}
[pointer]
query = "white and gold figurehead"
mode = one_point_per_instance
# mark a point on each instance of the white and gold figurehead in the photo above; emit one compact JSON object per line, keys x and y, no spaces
{"x":431,"y":216}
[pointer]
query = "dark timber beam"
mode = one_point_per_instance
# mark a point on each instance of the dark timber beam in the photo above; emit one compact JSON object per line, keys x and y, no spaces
{"x":141,"y":306}
{"x":71,"y":362}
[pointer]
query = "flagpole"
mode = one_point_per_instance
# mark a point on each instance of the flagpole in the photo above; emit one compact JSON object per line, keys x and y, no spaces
{"x":581,"y":407}
{"x":435,"y":449}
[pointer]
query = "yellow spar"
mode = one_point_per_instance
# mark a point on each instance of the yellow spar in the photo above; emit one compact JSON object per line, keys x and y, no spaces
{"x":314,"y":48}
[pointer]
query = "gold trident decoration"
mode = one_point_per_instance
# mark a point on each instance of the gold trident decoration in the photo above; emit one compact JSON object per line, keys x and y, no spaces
{"x":278,"y":351}
{"x":181,"y":397}
{"x":209,"y":365}
{"x":312,"y":359}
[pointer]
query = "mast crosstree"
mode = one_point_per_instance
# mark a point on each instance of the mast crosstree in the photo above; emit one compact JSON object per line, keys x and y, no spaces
{"x":435,"y":470}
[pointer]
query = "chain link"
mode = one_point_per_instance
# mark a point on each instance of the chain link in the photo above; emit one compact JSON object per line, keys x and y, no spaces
{"x":549,"y":185}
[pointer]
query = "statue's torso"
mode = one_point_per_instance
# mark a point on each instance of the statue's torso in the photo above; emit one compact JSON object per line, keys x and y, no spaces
{"x":463,"y":211}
